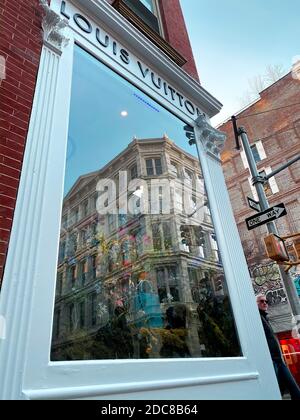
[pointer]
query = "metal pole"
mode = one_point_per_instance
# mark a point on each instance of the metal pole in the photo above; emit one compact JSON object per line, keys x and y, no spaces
{"x":286,"y":165}
{"x":259,"y":185}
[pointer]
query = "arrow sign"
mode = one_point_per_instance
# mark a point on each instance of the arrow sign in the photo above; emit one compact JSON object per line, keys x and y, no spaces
{"x":254,"y":205}
{"x":269,"y":215}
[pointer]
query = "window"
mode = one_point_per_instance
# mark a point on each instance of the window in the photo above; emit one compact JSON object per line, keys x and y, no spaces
{"x":149,"y":167}
{"x":133,"y":172}
{"x":83,"y":271}
{"x":214,"y":248}
{"x":156,"y":236}
{"x":71,"y":317}
{"x":167,"y":283}
{"x":73,"y":274}
{"x":59,"y":285}
{"x":158,"y":167}
{"x":57,"y":315}
{"x":84,"y":236}
{"x":160,"y":199}
{"x":85,"y":208}
{"x":255,"y":153}
{"x":140,"y":247}
{"x":62,"y":252}
{"x":167,"y":235}
{"x":154,"y":167}
{"x":72,"y":244}
{"x":82,"y":314}
{"x":145,"y":10}
{"x":94,"y":266}
{"x":93,"y":309}
{"x":258,"y":152}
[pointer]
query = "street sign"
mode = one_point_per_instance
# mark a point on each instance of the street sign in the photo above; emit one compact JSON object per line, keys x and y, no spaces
{"x":266,"y":216}
{"x":254,"y":205}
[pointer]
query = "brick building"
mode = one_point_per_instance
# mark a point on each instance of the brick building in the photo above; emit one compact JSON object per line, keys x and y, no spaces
{"x":273,"y":127}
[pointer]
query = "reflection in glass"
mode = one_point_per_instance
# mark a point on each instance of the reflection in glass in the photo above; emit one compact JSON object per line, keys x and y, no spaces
{"x":139,"y":271}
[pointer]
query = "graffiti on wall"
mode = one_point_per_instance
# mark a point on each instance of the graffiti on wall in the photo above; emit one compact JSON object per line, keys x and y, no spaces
{"x":266,"y":280}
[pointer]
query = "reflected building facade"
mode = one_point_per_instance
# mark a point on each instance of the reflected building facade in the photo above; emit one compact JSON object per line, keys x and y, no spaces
{"x":132,"y":285}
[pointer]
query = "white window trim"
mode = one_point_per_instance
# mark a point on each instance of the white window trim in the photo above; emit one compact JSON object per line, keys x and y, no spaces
{"x":158,"y":15}
{"x":28,"y":292}
{"x":260,"y":149}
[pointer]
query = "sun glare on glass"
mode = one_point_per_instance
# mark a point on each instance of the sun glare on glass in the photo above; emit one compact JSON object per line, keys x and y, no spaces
{"x":124,"y":114}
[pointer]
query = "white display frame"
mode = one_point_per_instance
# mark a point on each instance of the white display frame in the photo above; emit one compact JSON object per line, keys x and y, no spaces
{"x":28,"y":293}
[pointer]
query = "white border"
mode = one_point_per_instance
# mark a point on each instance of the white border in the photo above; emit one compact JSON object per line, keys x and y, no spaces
{"x":28,"y":294}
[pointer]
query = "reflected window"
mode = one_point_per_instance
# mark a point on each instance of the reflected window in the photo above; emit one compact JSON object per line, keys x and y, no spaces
{"x":85,"y":207}
{"x":93,"y":309}
{"x":157,"y":240}
{"x":82,"y":314}
{"x":56,"y":324}
{"x":59,"y":285}
{"x":72,"y":275}
{"x":255,"y":153}
{"x":133,"y":172}
{"x":132,"y":289}
{"x":154,"y":167}
{"x":167,"y":284}
{"x":83,"y":271}
{"x":71,"y":317}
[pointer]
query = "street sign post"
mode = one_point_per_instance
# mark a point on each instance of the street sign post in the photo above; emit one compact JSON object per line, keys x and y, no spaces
{"x":266,"y":216}
{"x":254,"y":205}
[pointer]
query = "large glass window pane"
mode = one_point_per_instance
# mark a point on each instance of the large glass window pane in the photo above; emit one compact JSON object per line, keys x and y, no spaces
{"x":139,"y":274}
{"x":149,"y":4}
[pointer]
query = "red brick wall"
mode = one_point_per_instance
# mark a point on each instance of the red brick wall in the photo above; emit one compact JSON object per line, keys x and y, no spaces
{"x":176,"y":33}
{"x":20,"y":45}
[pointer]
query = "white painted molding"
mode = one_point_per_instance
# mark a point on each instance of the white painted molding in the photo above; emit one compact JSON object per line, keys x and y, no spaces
{"x":53,"y":29}
{"x":16,"y":299}
{"x":110,"y":391}
{"x":212,"y":139}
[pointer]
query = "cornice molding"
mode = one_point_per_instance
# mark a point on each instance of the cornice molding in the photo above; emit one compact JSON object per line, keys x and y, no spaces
{"x":212,"y":139}
{"x":53,"y":29}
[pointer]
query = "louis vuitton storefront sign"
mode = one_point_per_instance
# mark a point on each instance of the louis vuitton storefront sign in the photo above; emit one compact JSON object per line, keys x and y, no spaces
{"x":116,"y":51}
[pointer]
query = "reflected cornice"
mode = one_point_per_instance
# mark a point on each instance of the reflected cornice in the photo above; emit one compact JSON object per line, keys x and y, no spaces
{"x":212,"y":139}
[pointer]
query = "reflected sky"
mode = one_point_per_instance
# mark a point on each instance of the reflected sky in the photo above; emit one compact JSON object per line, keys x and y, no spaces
{"x":107,"y":112}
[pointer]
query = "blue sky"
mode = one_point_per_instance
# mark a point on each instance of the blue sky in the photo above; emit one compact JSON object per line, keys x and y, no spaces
{"x":235,"y":40}
{"x":99,"y":96}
